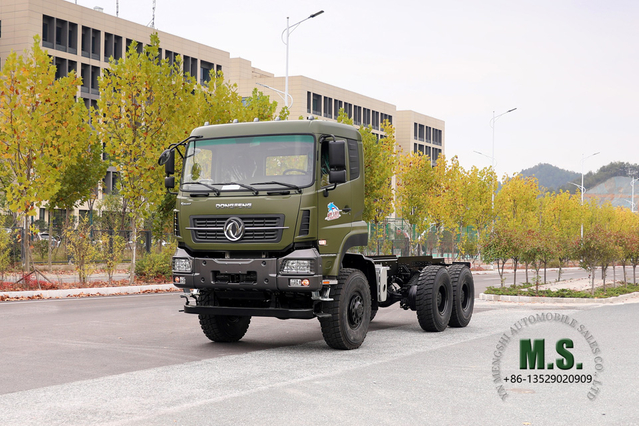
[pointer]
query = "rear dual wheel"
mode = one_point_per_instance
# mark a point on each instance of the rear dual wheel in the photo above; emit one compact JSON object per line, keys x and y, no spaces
{"x":434,"y":298}
{"x":463,"y":295}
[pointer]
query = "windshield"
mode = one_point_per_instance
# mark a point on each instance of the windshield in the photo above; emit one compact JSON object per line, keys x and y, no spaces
{"x":234,"y":164}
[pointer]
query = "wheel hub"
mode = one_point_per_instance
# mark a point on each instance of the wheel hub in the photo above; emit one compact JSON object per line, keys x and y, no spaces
{"x":355,"y":311}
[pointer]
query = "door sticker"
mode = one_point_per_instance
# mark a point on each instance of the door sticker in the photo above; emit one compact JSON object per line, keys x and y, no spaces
{"x":333,"y":212}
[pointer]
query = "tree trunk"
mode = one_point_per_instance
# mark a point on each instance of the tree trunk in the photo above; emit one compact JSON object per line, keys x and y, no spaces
{"x":50,"y":240}
{"x":515,"y":263}
{"x":27,"y":244}
{"x":527,"y":280}
{"x":135,"y":249}
{"x":592,"y":276}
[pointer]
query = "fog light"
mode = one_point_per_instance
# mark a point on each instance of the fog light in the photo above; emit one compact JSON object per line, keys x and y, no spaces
{"x":179,"y":280}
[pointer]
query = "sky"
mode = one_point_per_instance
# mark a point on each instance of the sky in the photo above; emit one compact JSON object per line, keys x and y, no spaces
{"x":571,"y":68}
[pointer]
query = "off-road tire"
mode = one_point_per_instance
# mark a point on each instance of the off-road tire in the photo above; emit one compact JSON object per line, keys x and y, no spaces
{"x":221,"y":328}
{"x":463,"y":295}
{"x":434,"y":300}
{"x":350,"y":311}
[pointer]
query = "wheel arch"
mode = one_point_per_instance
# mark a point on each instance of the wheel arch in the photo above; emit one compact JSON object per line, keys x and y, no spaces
{"x":367,"y":266}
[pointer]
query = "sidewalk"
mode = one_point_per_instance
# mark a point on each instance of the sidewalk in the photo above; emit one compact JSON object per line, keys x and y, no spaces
{"x":68,"y":278}
{"x":583,"y":284}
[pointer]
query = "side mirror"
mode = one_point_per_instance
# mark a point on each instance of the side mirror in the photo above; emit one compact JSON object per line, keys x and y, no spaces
{"x":167,"y":158}
{"x":169,"y":182}
{"x":337,"y":176}
{"x":337,"y":155}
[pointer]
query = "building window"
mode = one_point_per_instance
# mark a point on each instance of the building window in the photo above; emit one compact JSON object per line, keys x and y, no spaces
{"x":72,"y":38}
{"x":317,"y":104}
{"x":47,"y":31}
{"x":95,"y":73}
{"x":60,"y":67}
{"x":85,"y":70}
{"x":414,"y":131}
{"x":357,"y":118}
{"x":328,"y":107}
{"x":420,"y":134}
{"x":206,"y":69}
{"x":367,"y":117}
{"x":139,"y":48}
{"x":309,"y":102}
{"x":437,"y":137}
{"x":375,"y":120}
{"x":61,"y":34}
{"x":95,"y":44}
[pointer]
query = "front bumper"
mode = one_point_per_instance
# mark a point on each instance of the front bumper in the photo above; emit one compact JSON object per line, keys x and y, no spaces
{"x":250,"y":273}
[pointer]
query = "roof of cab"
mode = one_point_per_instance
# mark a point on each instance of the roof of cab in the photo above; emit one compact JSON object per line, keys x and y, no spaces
{"x":277,"y":127}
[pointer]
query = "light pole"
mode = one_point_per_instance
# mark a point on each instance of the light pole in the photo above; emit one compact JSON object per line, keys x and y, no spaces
{"x":581,"y":187}
{"x":289,"y":29}
{"x":632,"y":197}
{"x":492,"y":158}
{"x":492,"y":124}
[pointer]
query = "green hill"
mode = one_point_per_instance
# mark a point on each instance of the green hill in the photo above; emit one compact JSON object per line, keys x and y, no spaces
{"x":550,"y":177}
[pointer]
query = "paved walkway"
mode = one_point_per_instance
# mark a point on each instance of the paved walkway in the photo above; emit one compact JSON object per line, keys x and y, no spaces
{"x":584,"y":284}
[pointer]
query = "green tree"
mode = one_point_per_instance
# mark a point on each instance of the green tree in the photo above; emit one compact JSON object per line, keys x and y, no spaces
{"x":79,"y":182}
{"x":415,"y":179}
{"x":39,"y":121}
{"x":140,"y":111}
{"x":379,"y":168}
{"x":516,"y":208}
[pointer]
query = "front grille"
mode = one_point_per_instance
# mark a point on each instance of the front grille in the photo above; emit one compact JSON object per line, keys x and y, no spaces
{"x":262,"y":228}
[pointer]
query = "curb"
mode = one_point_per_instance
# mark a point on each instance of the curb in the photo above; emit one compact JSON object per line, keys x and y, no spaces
{"x":96,"y":291}
{"x":566,"y":300}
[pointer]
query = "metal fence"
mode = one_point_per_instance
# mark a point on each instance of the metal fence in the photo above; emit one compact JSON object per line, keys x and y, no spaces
{"x":39,"y":243}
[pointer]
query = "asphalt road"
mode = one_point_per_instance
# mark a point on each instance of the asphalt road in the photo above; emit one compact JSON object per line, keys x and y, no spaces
{"x":135,"y":360}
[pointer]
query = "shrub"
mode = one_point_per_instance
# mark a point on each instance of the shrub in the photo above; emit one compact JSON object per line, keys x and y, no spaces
{"x":156,"y":265}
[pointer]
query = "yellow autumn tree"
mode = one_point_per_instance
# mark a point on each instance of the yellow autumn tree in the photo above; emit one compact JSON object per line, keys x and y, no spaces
{"x":141,"y":110}
{"x":40,"y":124}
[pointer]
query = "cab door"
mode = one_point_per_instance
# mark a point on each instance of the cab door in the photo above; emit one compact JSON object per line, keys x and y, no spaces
{"x":334,"y":200}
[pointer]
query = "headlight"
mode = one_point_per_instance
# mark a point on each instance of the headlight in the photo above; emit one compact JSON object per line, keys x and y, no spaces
{"x":297,"y":266}
{"x":181,"y":264}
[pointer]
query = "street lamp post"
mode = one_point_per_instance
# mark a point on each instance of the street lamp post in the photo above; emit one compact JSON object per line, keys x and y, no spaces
{"x":581,"y":187}
{"x":492,"y":158}
{"x":289,"y":29}
{"x":492,"y":124}
{"x":632,"y":197}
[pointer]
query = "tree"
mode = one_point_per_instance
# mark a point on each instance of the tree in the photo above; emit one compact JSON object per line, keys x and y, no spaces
{"x":379,"y":168}
{"x":79,"y":182}
{"x":140,"y":111}
{"x":415,"y":179}
{"x":39,"y":121}
{"x":516,"y":209}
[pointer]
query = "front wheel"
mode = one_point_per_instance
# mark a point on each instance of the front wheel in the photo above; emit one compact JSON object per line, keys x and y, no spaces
{"x":350,"y":311}
{"x":434,"y":299}
{"x":222,"y":328}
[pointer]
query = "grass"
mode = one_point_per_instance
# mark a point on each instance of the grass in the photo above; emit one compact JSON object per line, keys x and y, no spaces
{"x":529,"y":290}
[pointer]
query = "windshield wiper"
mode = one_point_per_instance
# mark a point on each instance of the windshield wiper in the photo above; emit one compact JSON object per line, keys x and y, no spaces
{"x":288,"y":185}
{"x":215,"y":190}
{"x":243,"y":185}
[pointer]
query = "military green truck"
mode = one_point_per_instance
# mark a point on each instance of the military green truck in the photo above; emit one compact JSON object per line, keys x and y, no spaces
{"x":268,"y":218}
